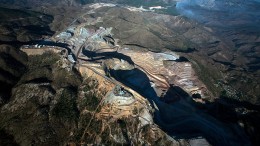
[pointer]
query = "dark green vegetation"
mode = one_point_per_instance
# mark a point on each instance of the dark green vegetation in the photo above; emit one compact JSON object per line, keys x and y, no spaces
{"x":41,"y":104}
{"x":8,"y":15}
{"x":12,"y":66}
{"x":66,"y":108}
{"x":6,"y":139}
{"x":47,"y":68}
{"x":233,"y":54}
{"x":51,"y":105}
{"x":209,"y":76}
{"x":39,"y":101}
{"x":212,"y":60}
{"x":143,"y":31}
{"x":92,"y":98}
{"x":23,"y":25}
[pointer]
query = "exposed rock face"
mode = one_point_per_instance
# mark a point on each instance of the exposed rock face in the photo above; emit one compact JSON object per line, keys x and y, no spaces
{"x":144,"y":72}
{"x":107,"y":100}
{"x":51,"y":105}
{"x":230,"y":55}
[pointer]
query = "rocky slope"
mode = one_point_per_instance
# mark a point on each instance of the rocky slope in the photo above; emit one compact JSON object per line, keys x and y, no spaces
{"x":230,"y":54}
{"x":53,"y":105}
{"x":69,"y":106}
{"x":208,"y":51}
{"x":236,"y":24}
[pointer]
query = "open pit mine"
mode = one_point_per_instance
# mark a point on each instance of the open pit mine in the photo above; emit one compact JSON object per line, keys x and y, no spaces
{"x":121,"y":75}
{"x":160,"y":89}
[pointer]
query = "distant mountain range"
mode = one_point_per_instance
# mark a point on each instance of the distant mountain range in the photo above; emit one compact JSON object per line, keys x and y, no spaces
{"x":31,"y":3}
